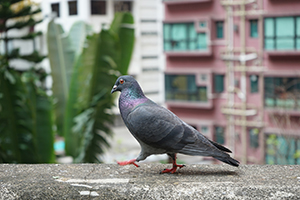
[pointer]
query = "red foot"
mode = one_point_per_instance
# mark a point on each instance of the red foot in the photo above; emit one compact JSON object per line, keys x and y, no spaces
{"x":132,"y":161}
{"x":173,"y":169}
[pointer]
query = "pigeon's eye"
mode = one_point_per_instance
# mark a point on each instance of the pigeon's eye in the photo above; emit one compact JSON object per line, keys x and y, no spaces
{"x":121,"y":81}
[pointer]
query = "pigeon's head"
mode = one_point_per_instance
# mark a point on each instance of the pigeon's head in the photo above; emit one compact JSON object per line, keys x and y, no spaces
{"x":124,"y":82}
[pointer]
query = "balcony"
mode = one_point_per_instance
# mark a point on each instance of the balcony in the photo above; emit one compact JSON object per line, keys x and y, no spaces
{"x":283,"y":53}
{"x":204,"y":53}
{"x":174,"y":2}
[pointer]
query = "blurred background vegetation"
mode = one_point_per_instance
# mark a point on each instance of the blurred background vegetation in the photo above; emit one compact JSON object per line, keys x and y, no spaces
{"x":84,"y":66}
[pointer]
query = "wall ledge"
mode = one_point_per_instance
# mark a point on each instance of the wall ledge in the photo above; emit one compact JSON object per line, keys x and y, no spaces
{"x":110,"y":181}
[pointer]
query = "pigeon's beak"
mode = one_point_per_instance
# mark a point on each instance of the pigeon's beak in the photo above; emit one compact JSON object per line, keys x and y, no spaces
{"x":113,"y":89}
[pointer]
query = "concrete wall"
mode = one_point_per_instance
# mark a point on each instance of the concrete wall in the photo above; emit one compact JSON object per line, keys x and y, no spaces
{"x":100,"y":181}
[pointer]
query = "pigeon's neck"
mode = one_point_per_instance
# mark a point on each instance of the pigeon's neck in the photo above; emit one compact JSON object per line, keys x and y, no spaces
{"x":130,"y":99}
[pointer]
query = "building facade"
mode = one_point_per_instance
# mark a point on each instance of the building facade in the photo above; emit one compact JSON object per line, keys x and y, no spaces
{"x":146,"y":58}
{"x":232,"y":70}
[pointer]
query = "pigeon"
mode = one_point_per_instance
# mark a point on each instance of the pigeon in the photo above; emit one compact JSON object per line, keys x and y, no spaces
{"x":159,"y":131}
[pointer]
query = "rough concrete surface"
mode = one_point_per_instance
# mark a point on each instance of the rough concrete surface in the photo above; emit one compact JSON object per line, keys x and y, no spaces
{"x":110,"y":181}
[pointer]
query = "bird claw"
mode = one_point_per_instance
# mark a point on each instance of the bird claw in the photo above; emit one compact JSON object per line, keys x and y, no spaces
{"x":122,"y":163}
{"x":172,"y":170}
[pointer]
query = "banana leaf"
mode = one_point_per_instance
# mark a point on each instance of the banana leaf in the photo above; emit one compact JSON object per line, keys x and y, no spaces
{"x":77,"y":36}
{"x":91,"y":77}
{"x":94,"y":74}
{"x":61,"y":57}
{"x":78,"y":94}
{"x":122,"y":25}
{"x":98,"y":127}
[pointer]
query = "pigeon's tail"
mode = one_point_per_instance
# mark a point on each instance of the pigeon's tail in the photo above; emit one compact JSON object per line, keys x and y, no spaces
{"x":220,"y":146}
{"x":229,"y":160}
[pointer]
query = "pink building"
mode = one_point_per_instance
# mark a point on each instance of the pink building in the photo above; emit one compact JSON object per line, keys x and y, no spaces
{"x":233,"y":72}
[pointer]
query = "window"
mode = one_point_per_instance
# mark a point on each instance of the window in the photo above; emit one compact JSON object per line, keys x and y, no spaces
{"x":72,"y":7}
{"x":202,"y":24}
{"x":254,"y":137}
{"x":182,"y":37}
{"x":282,"y":33}
{"x":204,"y":130}
{"x":282,"y":92}
{"x":254,"y":83}
{"x":219,"y":29}
{"x":203,"y":77}
{"x":219,"y":136}
{"x":218,"y":83}
{"x":98,"y":7}
{"x":282,"y":150}
{"x":254,"y":28}
{"x":122,"y":6}
{"x":55,"y":9}
{"x":183,"y":87}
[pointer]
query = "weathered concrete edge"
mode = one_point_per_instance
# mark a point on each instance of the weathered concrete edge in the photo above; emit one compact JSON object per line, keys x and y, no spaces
{"x":99,"y":181}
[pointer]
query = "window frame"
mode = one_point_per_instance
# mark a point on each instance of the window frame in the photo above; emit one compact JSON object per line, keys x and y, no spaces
{"x":200,"y":45}
{"x":174,"y":94}
{"x":216,"y":90}
{"x":253,"y":135}
{"x":274,"y":38}
{"x":252,"y":88}
{"x":277,"y":93}
{"x":251,"y":21}
{"x":71,"y":11}
{"x":279,"y":149}
{"x":54,"y":10}
{"x":220,"y":139}
{"x":99,"y":11}
{"x":217,"y":23}
{"x":130,"y":3}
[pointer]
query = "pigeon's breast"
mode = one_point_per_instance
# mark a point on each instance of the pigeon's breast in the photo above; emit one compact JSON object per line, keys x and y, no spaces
{"x":128,"y":105}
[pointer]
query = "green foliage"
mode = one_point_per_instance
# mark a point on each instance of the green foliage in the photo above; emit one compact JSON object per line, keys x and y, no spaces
{"x":42,"y":108}
{"x":123,"y":26}
{"x":25,"y":119}
{"x":16,"y":124}
{"x":61,"y":57}
{"x":78,"y":94}
{"x":25,"y":109}
{"x":103,"y":57}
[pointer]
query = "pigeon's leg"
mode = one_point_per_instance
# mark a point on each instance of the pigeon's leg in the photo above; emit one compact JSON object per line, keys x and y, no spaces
{"x":175,"y":166}
{"x":128,"y":162}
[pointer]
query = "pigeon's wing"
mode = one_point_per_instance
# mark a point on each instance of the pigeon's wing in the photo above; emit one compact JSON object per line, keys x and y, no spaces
{"x":160,"y":128}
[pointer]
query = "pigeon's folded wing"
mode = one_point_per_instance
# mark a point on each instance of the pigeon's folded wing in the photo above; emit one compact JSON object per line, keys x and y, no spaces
{"x":158,"y":127}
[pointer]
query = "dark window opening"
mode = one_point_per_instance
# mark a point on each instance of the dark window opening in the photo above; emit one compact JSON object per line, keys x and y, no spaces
{"x":219,"y":135}
{"x":254,"y":28}
{"x":254,"y":137}
{"x":123,"y":6}
{"x":184,"y":88}
{"x":98,"y":7}
{"x":218,"y":83}
{"x":220,"y":29}
{"x":72,"y":7}
{"x":55,"y":9}
{"x":254,"y":83}
{"x":204,"y":130}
